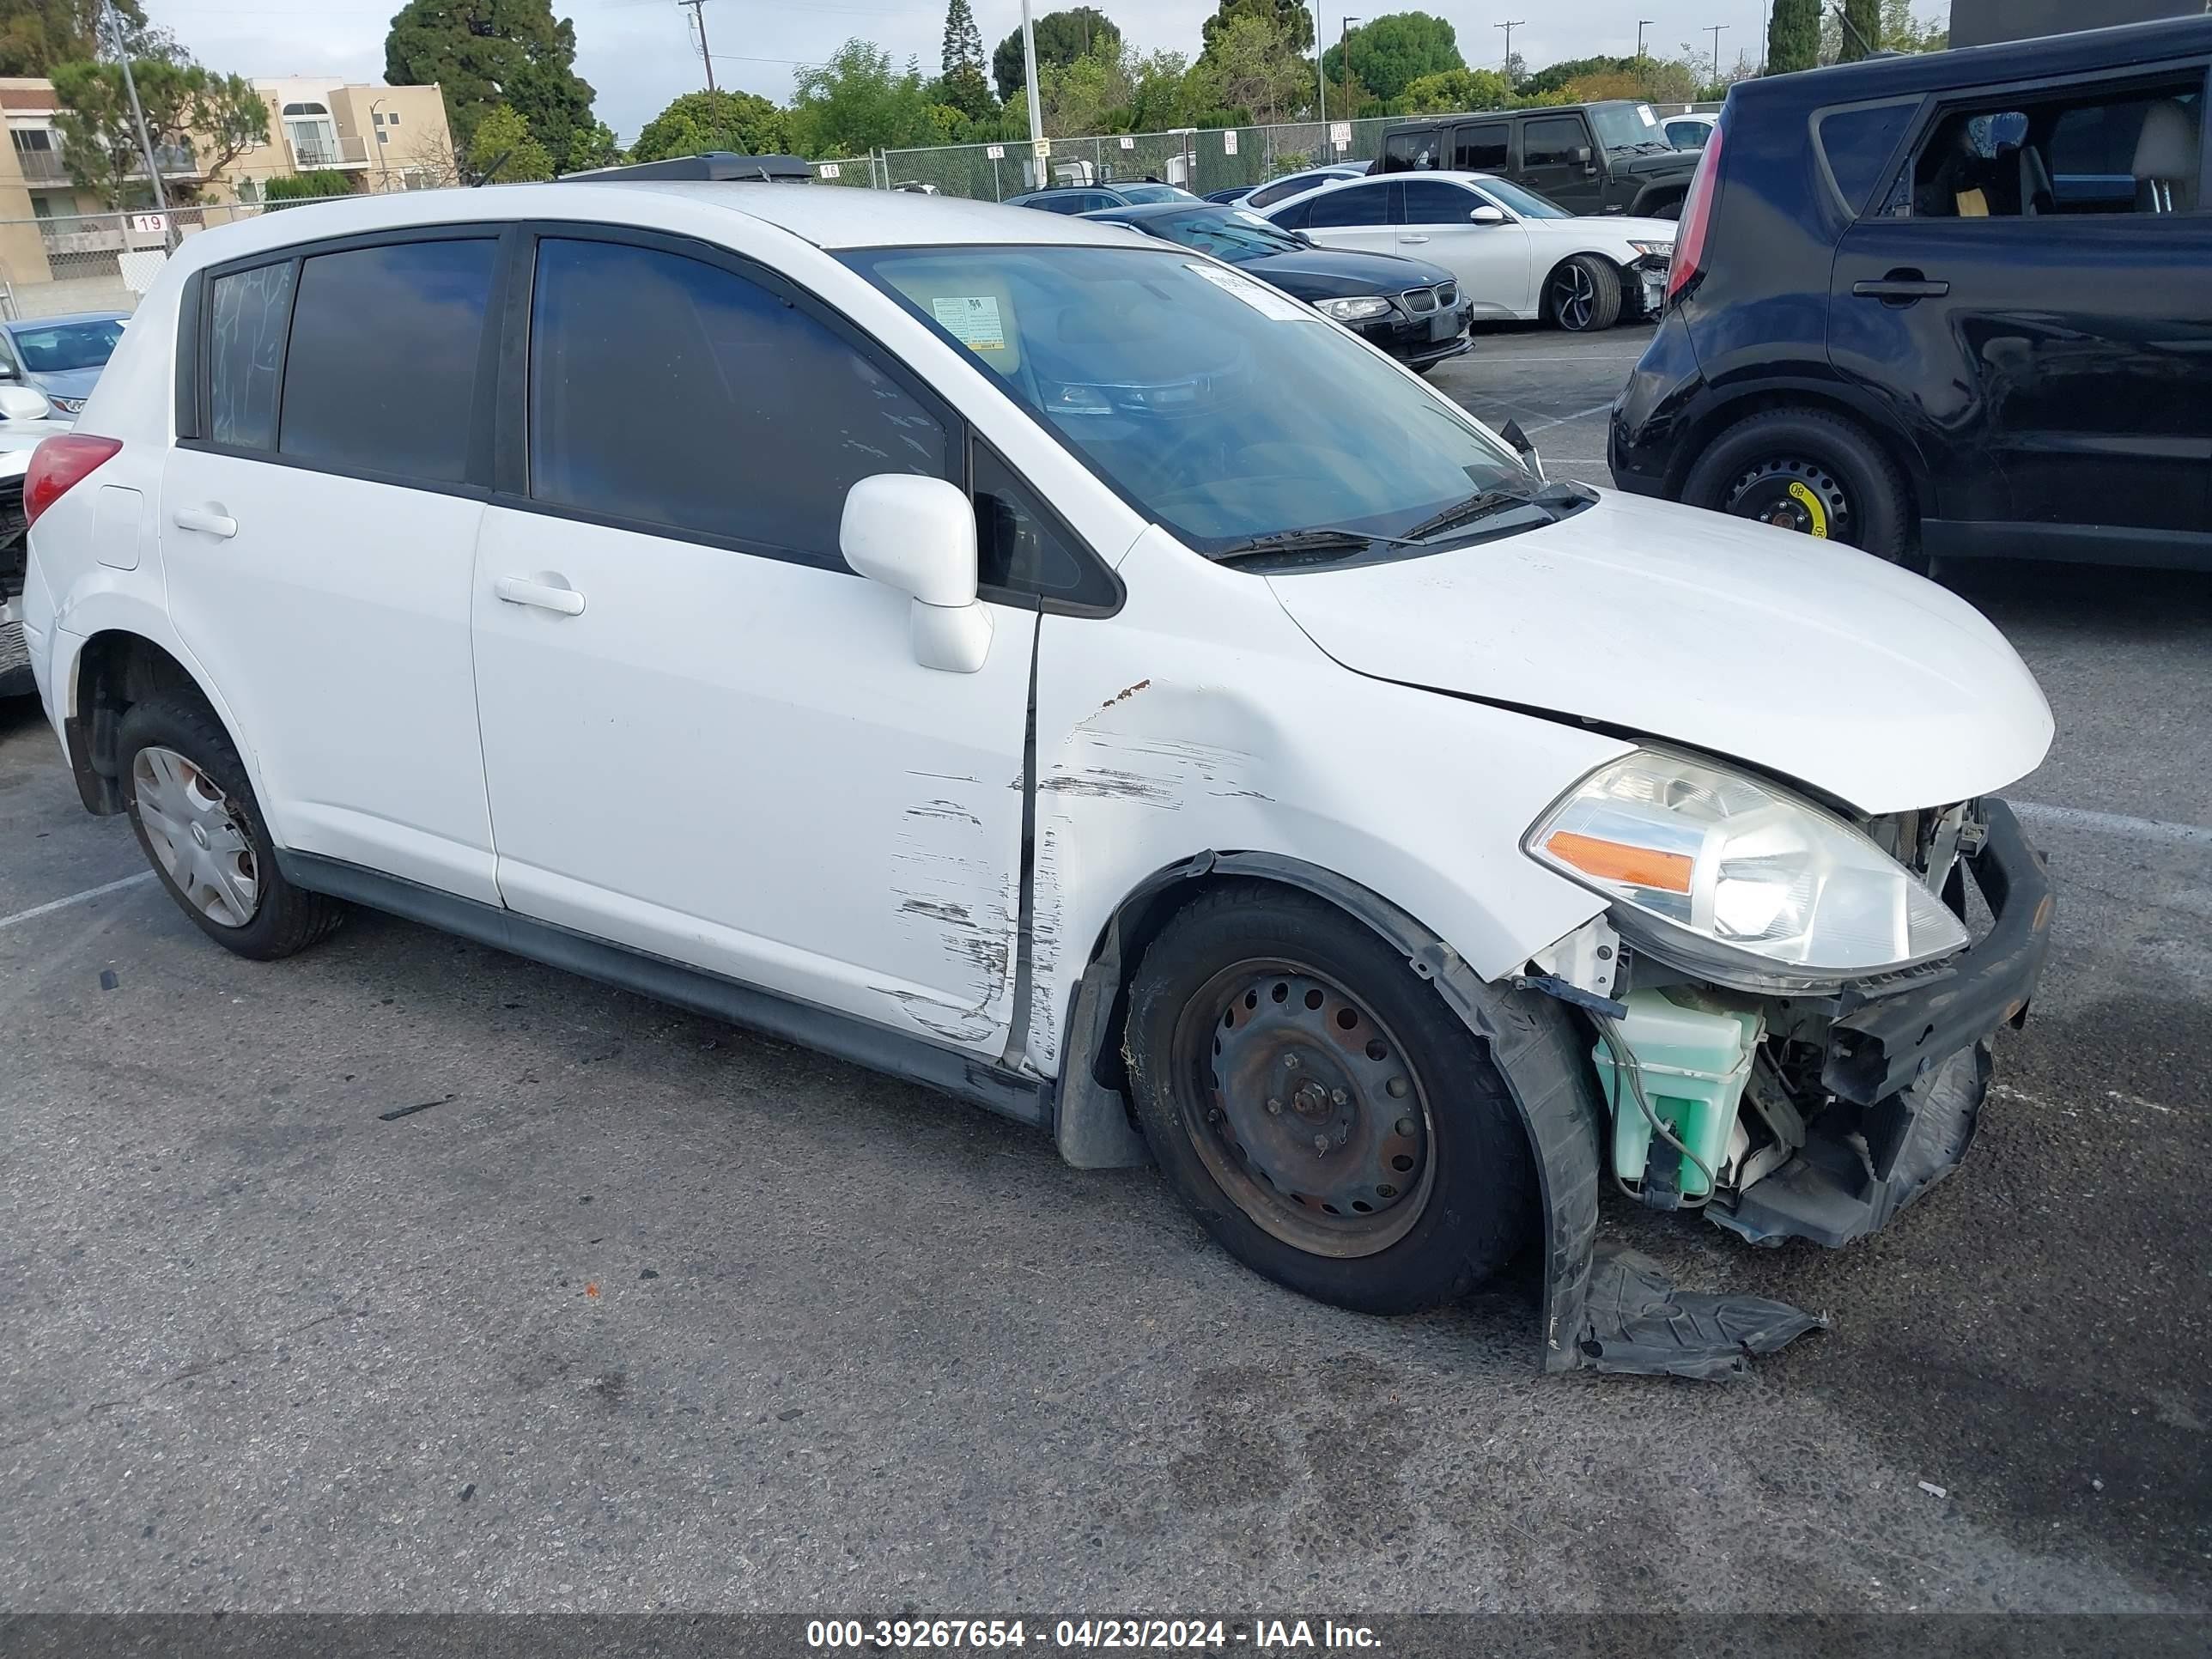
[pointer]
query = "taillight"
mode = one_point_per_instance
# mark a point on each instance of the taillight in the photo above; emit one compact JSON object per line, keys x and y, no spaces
{"x":1697,"y":213}
{"x":57,"y":466}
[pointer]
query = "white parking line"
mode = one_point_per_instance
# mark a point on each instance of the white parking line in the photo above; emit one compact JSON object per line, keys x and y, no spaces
{"x":1565,"y":419}
{"x":52,"y":905}
{"x":2114,"y":824}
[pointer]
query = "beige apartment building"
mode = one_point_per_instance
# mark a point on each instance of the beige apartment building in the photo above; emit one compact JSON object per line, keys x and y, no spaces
{"x":64,"y":245}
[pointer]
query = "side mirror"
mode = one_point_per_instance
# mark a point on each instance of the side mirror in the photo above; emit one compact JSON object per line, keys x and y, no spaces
{"x":1581,"y":155}
{"x":1488,"y":215}
{"x":1303,"y":239}
{"x":7,"y":370}
{"x":20,"y":402}
{"x":1513,"y":435}
{"x":918,"y":535}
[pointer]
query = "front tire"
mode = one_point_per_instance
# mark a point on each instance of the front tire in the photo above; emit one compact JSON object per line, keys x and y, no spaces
{"x":1582,"y":295}
{"x":199,"y":826}
{"x":1809,"y":470}
{"x":1319,"y":1109}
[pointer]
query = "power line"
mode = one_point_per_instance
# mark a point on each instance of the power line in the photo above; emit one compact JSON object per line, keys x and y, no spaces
{"x":1509,"y":29}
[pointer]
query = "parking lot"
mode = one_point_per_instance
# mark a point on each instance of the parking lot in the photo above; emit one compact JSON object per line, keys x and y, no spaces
{"x":406,"y":1275}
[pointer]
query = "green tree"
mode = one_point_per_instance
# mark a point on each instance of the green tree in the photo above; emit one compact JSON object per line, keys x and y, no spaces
{"x":1862,"y":32}
{"x":1793,"y":36}
{"x":858,"y":101}
{"x":1902,"y":31}
{"x":1249,"y":64}
{"x":1062,"y":37}
{"x":1391,"y":53}
{"x":963,"y":88}
{"x":306,"y":186}
{"x":504,"y":151}
{"x":39,"y":36}
{"x":186,"y":105}
{"x":963,"y":41}
{"x":591,"y":146}
{"x":1290,"y":18}
{"x":699,"y":122}
{"x":1453,"y":90}
{"x":486,"y":53}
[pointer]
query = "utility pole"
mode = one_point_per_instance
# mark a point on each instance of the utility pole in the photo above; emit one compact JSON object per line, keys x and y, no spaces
{"x":1642,"y":24}
{"x":699,"y":21}
{"x":137,"y":114}
{"x":1509,"y":29}
{"x":1717,"y":27}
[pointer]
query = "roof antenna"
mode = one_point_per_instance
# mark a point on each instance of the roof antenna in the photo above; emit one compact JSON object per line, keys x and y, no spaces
{"x":492,"y":171}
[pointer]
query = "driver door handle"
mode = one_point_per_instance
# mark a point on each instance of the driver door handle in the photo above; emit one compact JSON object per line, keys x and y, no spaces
{"x":208,"y":520}
{"x":1407,"y":241}
{"x":516,"y":590}
{"x":1901,"y":285}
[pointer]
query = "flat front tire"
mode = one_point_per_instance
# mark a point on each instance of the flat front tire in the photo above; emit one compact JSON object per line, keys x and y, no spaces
{"x":1317,"y":1107}
{"x":197,"y":823}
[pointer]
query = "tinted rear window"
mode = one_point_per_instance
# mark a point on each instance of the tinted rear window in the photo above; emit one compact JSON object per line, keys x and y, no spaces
{"x":381,"y":373}
{"x":1857,"y":143}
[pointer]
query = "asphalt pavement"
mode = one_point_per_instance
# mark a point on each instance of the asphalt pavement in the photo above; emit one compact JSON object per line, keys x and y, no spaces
{"x":640,"y":1311}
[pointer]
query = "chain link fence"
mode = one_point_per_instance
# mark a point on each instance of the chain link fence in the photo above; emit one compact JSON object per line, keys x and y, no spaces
{"x":93,"y":261}
{"x":1200,"y":160}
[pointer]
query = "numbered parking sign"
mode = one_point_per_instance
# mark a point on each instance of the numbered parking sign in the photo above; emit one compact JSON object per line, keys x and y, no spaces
{"x":828,"y":169}
{"x":1229,"y":141}
{"x":995,"y":152}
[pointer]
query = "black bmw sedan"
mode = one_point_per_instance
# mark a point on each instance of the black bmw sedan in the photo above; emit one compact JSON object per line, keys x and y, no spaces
{"x":1407,"y":307}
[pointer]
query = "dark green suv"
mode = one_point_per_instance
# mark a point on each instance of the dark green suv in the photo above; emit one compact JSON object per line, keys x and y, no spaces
{"x":1610,"y":157}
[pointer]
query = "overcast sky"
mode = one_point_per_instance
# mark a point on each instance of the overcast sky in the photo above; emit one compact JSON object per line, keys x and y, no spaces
{"x":638,"y":54}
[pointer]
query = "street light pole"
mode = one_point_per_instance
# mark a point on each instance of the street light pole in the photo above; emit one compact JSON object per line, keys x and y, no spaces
{"x":1036,"y":114}
{"x":383,"y":168}
{"x":1642,"y":24}
{"x":137,"y":115}
{"x":1344,"y":65}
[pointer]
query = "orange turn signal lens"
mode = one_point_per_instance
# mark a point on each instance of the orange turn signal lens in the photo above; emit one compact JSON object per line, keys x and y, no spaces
{"x":1612,"y":860}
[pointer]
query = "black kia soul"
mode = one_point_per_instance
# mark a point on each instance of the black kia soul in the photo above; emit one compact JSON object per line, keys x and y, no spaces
{"x":1952,"y":305}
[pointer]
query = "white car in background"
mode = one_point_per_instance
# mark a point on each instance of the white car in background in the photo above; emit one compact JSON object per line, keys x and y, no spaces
{"x":23,"y":425}
{"x":1517,"y":255}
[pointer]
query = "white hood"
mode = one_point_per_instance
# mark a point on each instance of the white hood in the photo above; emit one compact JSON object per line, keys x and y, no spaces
{"x":1812,"y":661}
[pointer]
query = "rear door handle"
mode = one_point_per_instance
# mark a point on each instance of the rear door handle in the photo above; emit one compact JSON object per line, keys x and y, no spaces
{"x":1901,"y":287}
{"x":208,"y":520}
{"x":516,"y":590}
{"x":1407,"y":241}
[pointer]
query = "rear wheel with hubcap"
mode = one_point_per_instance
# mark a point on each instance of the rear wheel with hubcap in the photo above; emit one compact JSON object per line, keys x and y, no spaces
{"x":1330,"y":1121}
{"x":186,"y":792}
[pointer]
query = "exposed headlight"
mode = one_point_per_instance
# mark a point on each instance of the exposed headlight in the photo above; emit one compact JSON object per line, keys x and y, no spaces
{"x":1737,"y":880}
{"x":1654,"y":250}
{"x":1355,"y":310}
{"x":67,"y":406}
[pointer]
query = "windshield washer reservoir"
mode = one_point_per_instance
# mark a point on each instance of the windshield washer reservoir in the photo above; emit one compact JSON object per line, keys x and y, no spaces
{"x":1693,"y":1055}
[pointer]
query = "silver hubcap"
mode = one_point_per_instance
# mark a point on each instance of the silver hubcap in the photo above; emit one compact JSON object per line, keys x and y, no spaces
{"x":1572,"y":297}
{"x":196,"y":837}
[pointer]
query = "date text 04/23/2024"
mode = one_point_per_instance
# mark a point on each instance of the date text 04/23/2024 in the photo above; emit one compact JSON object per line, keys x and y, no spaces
{"x":1176,"y":1635}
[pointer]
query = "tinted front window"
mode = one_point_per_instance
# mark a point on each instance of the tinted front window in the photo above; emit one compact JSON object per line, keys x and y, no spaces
{"x":1481,"y":149}
{"x":1432,"y":202}
{"x":1407,"y":152}
{"x":2132,"y":148}
{"x":1227,"y":234}
{"x":57,"y":348}
{"x":670,"y":393}
{"x":1353,"y":206}
{"x":1857,"y":143}
{"x":380,"y":375}
{"x":1208,"y":400}
{"x":251,"y":312}
{"x":1552,"y":142}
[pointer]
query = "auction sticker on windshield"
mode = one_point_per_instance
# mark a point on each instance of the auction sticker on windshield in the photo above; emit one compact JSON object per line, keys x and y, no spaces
{"x":972,"y":319}
{"x":1262,"y":298}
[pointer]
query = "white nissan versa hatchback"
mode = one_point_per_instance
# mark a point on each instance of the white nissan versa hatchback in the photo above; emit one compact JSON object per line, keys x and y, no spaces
{"x":1051,"y":667}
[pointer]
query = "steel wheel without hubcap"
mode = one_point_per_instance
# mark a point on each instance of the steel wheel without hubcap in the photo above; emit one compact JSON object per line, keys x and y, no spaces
{"x":195,"y":835}
{"x":1792,"y":493}
{"x":1309,"y":1117}
{"x":1574,"y":295}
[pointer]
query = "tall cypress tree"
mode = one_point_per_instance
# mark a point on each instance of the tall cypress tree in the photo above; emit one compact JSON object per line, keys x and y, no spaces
{"x":1862,"y":28}
{"x":1793,"y":36}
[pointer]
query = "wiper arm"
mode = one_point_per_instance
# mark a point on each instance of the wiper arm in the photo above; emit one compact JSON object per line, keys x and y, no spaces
{"x":1480,"y":505}
{"x":1320,"y":539}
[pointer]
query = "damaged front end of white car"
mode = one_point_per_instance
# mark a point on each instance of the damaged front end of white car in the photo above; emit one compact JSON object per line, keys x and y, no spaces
{"x":1790,"y":1015}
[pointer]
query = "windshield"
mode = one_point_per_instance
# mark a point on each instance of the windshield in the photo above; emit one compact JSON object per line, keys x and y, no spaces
{"x":1212,"y":404}
{"x":1233,"y":235}
{"x":1627,"y":126}
{"x":1155,"y":193}
{"x":1522,"y":201}
{"x":57,"y":348}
